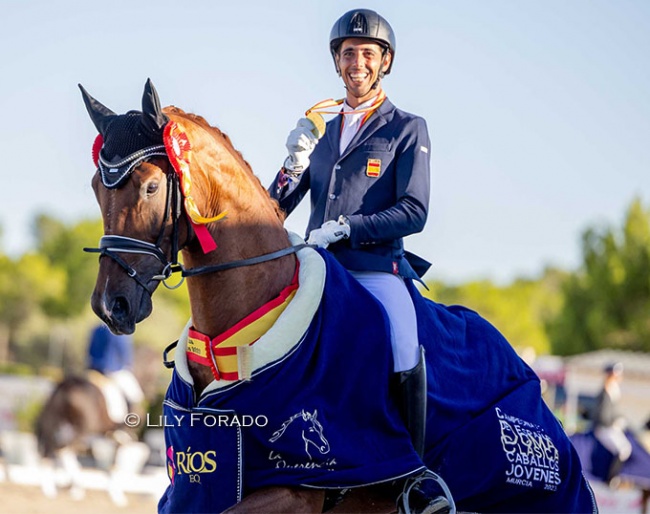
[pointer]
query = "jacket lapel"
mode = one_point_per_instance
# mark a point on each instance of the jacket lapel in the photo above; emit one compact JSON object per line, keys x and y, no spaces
{"x":374,"y":122}
{"x":333,"y":135}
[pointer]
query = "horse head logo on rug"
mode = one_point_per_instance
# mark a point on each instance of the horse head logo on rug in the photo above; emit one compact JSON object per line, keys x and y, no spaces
{"x":310,"y":430}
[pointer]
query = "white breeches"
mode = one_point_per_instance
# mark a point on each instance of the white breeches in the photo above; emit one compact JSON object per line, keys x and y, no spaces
{"x":615,"y":440}
{"x":391,"y":292}
{"x":128,"y":384}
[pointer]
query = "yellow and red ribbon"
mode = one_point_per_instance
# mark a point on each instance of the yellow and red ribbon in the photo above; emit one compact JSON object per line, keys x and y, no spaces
{"x":179,"y":151}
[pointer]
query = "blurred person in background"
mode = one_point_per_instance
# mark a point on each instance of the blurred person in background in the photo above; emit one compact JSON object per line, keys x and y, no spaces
{"x":112,"y":356}
{"x":609,"y":424}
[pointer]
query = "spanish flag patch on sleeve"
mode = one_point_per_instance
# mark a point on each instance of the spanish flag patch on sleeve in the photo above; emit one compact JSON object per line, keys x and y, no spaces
{"x":373,"y":167}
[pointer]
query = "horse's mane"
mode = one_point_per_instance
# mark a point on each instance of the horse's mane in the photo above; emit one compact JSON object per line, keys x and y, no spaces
{"x":219,"y":134}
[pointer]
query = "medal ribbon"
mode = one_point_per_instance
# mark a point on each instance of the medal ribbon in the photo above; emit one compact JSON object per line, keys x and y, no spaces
{"x":321,"y":107}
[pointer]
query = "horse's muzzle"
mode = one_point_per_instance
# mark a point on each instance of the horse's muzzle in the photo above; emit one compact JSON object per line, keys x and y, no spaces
{"x":120,"y":312}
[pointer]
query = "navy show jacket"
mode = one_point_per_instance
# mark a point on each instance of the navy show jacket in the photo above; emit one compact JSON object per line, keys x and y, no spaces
{"x":381,"y":183}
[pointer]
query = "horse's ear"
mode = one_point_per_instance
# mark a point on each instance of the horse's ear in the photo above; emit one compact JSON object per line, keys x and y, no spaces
{"x":99,"y":113}
{"x":152,"y":116}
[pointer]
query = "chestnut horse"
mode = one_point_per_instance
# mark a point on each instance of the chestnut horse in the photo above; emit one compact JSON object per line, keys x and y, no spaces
{"x":256,"y":228}
{"x":168,"y":182}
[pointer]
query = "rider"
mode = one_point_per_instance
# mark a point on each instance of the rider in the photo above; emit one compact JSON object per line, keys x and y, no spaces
{"x":609,"y":425}
{"x":369,"y":182}
{"x":112,"y":356}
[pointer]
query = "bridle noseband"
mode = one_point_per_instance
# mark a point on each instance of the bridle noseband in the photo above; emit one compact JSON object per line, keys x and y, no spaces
{"x":114,"y":245}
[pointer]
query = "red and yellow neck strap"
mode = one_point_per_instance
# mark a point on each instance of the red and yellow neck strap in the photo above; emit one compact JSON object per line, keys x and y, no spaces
{"x":228,"y":354}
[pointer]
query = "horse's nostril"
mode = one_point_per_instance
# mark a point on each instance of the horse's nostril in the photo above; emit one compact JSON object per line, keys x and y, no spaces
{"x":120,"y":307}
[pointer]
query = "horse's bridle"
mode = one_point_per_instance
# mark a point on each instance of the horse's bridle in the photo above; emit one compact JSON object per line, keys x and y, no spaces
{"x":113,"y":245}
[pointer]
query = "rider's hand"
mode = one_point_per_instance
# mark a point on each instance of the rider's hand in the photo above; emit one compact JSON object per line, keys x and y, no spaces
{"x":300,"y":144}
{"x":329,"y":232}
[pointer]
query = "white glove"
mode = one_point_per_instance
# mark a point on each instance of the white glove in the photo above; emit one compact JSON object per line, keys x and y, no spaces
{"x":329,"y":232}
{"x":300,"y":143}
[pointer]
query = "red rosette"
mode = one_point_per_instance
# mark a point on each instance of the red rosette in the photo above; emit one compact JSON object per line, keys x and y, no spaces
{"x":177,"y":146}
{"x":97,"y":146}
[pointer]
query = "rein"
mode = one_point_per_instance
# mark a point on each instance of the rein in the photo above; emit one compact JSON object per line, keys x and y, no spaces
{"x":243,"y":262}
{"x":113,"y":245}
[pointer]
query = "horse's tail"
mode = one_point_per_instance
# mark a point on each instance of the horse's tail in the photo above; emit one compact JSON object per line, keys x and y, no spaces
{"x":74,"y":407}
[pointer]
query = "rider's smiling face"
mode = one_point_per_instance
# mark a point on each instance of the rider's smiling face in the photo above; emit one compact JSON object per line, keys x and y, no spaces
{"x":360,"y":61}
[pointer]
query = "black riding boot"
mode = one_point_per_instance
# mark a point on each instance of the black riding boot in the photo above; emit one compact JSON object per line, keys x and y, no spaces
{"x":412,"y":394}
{"x":614,"y":469}
{"x":412,"y":391}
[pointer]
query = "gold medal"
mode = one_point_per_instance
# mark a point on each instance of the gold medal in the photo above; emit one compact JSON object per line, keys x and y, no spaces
{"x":318,"y":122}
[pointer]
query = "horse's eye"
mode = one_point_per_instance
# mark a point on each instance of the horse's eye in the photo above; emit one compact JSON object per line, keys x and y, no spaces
{"x":152,"y":188}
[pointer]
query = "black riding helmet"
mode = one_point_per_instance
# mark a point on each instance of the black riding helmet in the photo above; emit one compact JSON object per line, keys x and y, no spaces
{"x":363,"y":23}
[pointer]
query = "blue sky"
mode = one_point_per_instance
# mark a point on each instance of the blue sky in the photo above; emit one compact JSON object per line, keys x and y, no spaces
{"x":538,"y":110}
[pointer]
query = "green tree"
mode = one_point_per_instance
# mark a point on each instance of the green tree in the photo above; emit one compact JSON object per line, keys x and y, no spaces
{"x":63,"y":246}
{"x":606,"y":302}
{"x":26,"y":285}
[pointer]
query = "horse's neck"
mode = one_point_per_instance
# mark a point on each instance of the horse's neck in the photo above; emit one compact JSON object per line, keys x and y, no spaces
{"x":223,"y":183}
{"x":219,"y":300}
